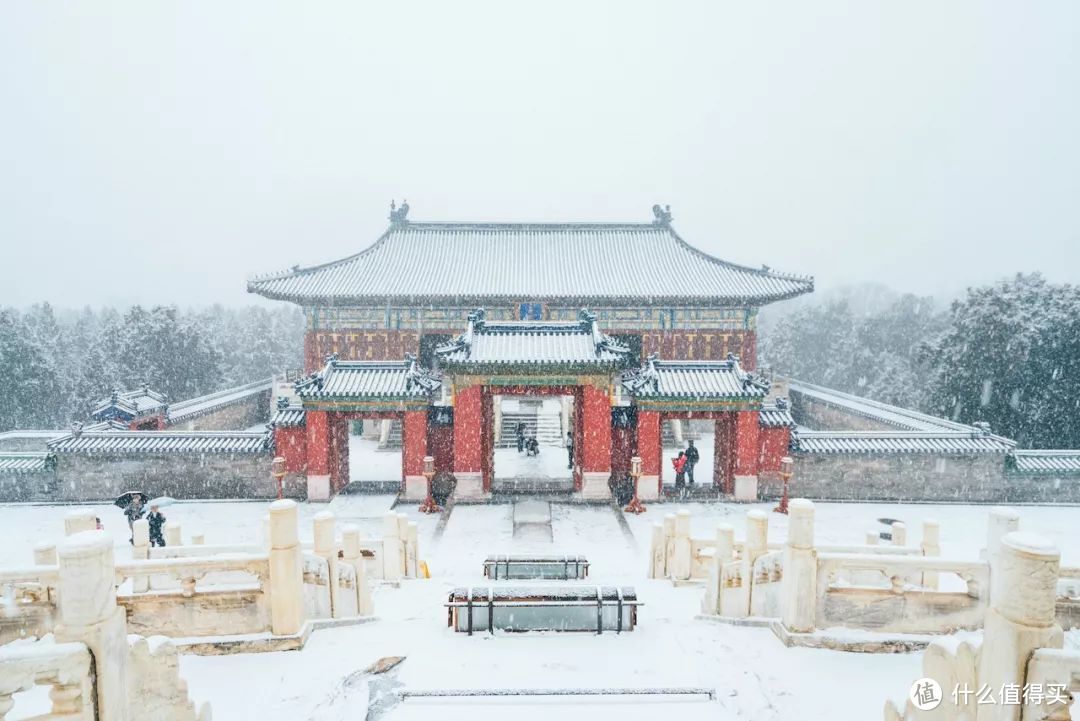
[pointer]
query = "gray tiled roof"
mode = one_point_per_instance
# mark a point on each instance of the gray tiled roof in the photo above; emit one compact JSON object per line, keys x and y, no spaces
{"x":775,"y":415}
{"x":944,"y":442}
{"x":1049,"y":462}
{"x":290,"y":417}
{"x":139,"y":402}
{"x":579,"y":263}
{"x":194,"y":407}
{"x":19,"y":463}
{"x":369,"y":379}
{"x":901,"y":418}
{"x":692,"y":379}
{"x":533,"y":343}
{"x":163,"y":442}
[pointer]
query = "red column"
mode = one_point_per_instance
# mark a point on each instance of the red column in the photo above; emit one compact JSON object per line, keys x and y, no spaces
{"x":596,"y":412}
{"x":596,"y":446}
{"x":724,"y":452}
{"x":413,"y":445}
{"x":747,"y":443}
{"x":468,"y":447}
{"x":650,"y":447}
{"x":318,"y":443}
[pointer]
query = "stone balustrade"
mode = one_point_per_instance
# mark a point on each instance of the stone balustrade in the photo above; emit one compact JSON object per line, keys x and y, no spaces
{"x":191,"y":592}
{"x":63,"y":666}
{"x":1020,"y":653}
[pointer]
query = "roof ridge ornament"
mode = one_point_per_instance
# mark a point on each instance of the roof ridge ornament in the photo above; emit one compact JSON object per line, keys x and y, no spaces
{"x":661,"y":216}
{"x":399,"y":216}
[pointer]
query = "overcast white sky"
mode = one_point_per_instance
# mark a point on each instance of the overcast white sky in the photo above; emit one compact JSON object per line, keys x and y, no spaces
{"x":163,"y":152}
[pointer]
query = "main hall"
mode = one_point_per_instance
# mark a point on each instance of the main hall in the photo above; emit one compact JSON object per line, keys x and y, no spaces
{"x":619,"y":329}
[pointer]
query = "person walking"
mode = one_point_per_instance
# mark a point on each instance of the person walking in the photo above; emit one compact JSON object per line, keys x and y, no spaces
{"x":692,"y":457}
{"x":156,"y":520}
{"x":519,"y":430}
{"x":679,"y":462}
{"x":569,"y":449}
{"x":134,"y":512}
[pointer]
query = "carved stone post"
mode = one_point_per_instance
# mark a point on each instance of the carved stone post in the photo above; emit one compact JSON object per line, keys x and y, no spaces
{"x":669,"y":543}
{"x":78,"y":521}
{"x":86,"y":602}
{"x":1021,"y":617}
{"x":656,"y":552}
{"x":173,"y":536}
{"x":725,"y":548}
{"x":45,"y":554}
{"x":140,"y":551}
{"x":680,"y":561}
{"x":931,"y":548}
{"x":393,"y":551}
{"x":899,"y":533}
{"x":799,"y":585}
{"x":757,"y":536}
{"x":326,"y":548}
{"x":352,"y":555}
{"x":286,"y":570}
{"x":412,"y":550}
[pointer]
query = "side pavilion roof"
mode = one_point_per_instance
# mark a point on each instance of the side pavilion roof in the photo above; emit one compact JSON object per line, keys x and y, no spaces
{"x":584,"y":264}
{"x":529,"y":345}
{"x":368,"y":385}
{"x":690,"y":385}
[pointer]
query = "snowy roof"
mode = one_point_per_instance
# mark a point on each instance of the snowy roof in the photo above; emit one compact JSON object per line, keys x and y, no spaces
{"x":383,"y":380}
{"x":707,"y":380}
{"x":882,"y":412}
{"x":579,"y":263}
{"x":18,"y":463}
{"x":140,"y":402}
{"x":776,"y":415}
{"x":163,"y":442}
{"x":533,"y":343}
{"x":1053,"y":462}
{"x":194,"y":407}
{"x":899,"y":442}
{"x":289,"y":417}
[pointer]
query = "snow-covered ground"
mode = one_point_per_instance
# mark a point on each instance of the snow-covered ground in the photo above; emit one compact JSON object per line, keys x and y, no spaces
{"x":368,"y":463}
{"x":703,"y":472}
{"x":756,"y":677}
{"x":551,"y":463}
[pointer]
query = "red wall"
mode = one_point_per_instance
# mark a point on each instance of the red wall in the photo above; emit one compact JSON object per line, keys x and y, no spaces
{"x":774,"y":446}
{"x":701,"y":345}
{"x":291,"y":444}
{"x":354,"y":344}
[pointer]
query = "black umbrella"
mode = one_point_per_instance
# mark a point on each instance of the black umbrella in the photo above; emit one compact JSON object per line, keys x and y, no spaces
{"x":124,"y":499}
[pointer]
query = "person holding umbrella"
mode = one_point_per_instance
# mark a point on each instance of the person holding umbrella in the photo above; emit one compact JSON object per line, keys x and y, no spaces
{"x":133,"y":509}
{"x":156,"y":520}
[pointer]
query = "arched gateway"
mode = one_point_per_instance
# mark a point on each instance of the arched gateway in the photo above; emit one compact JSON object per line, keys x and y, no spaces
{"x":448,"y":412}
{"x":398,"y":327}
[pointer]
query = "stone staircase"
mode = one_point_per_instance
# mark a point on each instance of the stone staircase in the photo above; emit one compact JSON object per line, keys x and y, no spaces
{"x":667,"y":434}
{"x":546,"y":426}
{"x":393,"y":439}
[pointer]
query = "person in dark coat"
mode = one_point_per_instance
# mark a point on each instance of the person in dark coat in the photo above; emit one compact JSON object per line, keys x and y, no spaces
{"x":519,"y":429}
{"x":569,"y":450}
{"x":692,"y":457}
{"x":679,"y":462}
{"x":156,"y":520}
{"x":532,"y":446}
{"x":134,"y":512}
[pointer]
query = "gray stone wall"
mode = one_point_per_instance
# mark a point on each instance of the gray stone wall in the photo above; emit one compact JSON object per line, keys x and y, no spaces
{"x":180,"y":475}
{"x":972,"y":478}
{"x":27,"y":486}
{"x":821,"y":416}
{"x":254,"y":410}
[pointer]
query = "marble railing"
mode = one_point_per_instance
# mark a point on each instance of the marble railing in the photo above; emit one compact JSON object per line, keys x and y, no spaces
{"x":63,"y":666}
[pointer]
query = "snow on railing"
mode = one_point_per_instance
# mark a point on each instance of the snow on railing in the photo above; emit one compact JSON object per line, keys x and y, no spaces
{"x":64,"y":666}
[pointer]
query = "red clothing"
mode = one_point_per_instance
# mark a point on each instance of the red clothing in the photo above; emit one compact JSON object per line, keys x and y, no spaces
{"x":679,"y":463}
